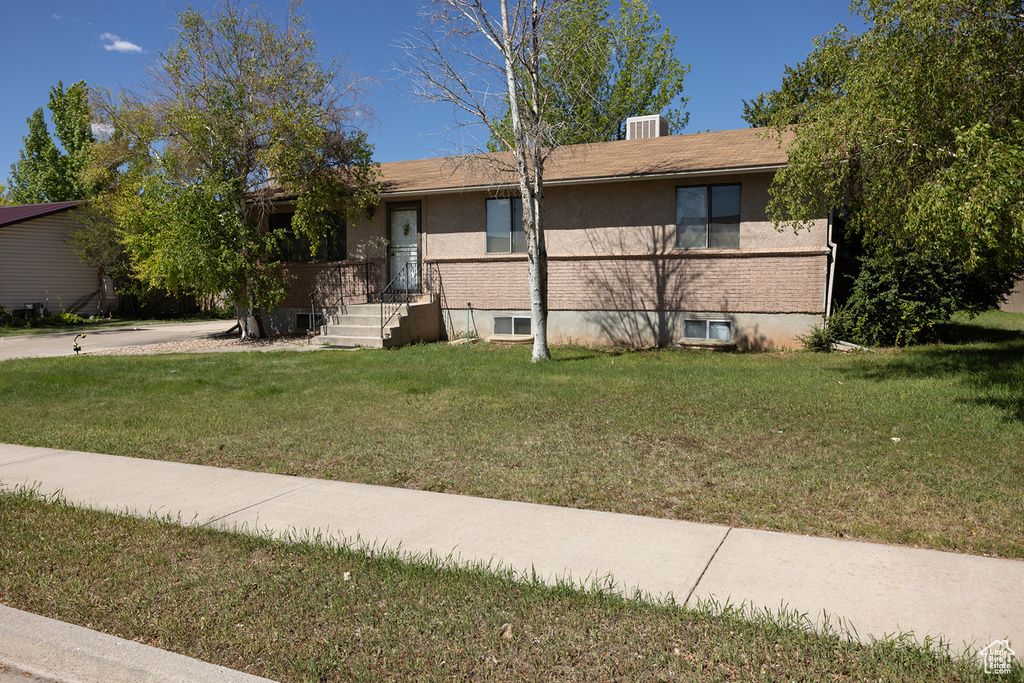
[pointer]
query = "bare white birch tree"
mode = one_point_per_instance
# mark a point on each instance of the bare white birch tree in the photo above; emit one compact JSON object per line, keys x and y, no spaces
{"x":480,"y":63}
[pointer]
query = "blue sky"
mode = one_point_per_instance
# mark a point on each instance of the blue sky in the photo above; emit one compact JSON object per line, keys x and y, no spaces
{"x":736,"y":50}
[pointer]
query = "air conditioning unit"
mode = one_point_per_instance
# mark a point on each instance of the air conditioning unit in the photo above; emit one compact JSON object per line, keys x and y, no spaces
{"x":638,"y":127}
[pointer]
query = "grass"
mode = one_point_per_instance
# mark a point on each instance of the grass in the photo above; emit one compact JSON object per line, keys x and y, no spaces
{"x":298,"y":611}
{"x":918,"y":447}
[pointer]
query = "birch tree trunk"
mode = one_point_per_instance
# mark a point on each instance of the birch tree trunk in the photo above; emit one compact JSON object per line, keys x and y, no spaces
{"x":530,"y":166}
{"x":538,"y":260}
{"x":461,"y":59}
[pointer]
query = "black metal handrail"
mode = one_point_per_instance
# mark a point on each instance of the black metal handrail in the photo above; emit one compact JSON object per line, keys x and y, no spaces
{"x":392,"y":299}
{"x":330,"y":292}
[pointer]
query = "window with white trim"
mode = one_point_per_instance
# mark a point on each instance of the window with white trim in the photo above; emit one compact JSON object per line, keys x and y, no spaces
{"x":719,"y":330}
{"x":708,"y":217}
{"x":505,"y":226}
{"x":513,"y":324}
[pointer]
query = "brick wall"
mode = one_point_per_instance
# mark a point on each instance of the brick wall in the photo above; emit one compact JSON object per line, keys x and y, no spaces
{"x":737,"y":282}
{"x":302,"y":278}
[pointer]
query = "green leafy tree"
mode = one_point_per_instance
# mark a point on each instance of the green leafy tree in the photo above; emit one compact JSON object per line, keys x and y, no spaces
{"x":923,"y":143}
{"x":45,"y":173}
{"x":597,"y":70}
{"x":99,"y":242}
{"x":238,"y":109}
{"x":816,"y":81}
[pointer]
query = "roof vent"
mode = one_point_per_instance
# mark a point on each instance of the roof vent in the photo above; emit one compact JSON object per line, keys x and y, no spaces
{"x":653,"y":126}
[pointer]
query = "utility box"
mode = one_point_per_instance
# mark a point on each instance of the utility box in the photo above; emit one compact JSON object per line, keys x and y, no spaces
{"x":639,"y":127}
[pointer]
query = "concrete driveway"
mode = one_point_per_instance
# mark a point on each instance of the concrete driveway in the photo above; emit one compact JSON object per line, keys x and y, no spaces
{"x":60,"y":343}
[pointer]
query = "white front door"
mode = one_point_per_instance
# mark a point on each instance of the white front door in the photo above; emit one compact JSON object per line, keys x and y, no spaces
{"x":405,"y":232}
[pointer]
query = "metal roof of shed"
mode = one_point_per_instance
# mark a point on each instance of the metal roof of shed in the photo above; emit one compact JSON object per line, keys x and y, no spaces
{"x":9,"y":215}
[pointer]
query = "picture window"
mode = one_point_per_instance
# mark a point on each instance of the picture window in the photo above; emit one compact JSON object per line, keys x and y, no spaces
{"x":505,"y":226}
{"x":708,"y":217}
{"x":297,"y":248}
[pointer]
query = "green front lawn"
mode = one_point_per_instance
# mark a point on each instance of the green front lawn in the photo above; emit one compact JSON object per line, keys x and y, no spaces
{"x":919,"y":447}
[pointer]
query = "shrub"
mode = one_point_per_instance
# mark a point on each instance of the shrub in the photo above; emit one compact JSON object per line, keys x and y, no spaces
{"x":62,"y":319}
{"x":820,"y":338}
{"x":898,"y":301}
{"x":69,"y":318}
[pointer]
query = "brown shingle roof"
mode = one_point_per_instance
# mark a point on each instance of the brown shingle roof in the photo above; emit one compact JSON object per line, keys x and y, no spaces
{"x":9,"y":215}
{"x":677,"y":154}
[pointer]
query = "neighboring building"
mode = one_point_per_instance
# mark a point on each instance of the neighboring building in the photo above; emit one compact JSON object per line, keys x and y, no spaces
{"x":1015,"y":301}
{"x":39,"y":271}
{"x":650,"y":241}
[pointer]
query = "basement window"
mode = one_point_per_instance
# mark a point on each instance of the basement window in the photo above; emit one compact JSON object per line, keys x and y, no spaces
{"x":302,"y":322}
{"x":720,"y":330}
{"x":513,"y":325}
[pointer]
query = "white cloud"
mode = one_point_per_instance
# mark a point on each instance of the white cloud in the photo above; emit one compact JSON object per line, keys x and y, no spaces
{"x":101,"y":130}
{"x":118,"y":45}
{"x":56,"y":17}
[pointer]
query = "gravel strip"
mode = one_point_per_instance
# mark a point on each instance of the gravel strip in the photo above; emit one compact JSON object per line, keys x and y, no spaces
{"x":207,"y":345}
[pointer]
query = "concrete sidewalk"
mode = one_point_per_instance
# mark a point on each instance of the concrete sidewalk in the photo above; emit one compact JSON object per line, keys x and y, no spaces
{"x":879,"y":590}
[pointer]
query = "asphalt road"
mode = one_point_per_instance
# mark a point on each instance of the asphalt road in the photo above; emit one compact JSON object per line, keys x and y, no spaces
{"x":61,"y":343}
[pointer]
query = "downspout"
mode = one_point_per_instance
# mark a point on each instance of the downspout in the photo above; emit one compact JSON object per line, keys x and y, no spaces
{"x":830,"y":275}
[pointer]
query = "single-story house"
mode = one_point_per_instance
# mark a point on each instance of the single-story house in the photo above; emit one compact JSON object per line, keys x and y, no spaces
{"x":655,"y":240}
{"x":40,"y":273}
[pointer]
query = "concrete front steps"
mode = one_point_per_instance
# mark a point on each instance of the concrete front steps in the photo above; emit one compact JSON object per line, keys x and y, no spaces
{"x":358,"y":325}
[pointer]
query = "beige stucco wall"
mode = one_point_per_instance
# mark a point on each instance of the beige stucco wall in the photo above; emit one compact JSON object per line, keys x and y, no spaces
{"x":625,"y":217}
{"x":366,"y":237}
{"x":635,"y":217}
{"x":639,"y":217}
